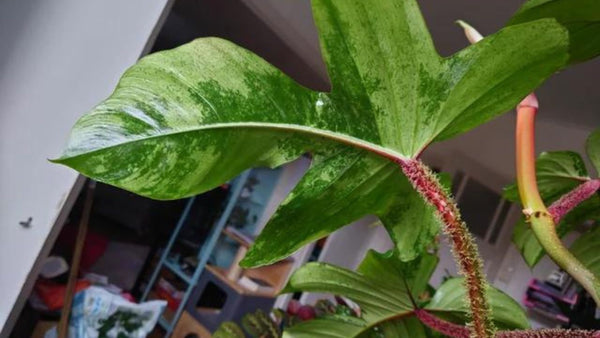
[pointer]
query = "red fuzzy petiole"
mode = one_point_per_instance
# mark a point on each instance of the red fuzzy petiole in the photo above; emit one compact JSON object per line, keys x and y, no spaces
{"x":567,"y":202}
{"x":463,"y":245}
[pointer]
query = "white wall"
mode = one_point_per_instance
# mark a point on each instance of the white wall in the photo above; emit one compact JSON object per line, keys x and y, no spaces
{"x":57,"y":60}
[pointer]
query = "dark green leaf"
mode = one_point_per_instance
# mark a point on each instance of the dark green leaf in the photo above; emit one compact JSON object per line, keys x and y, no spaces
{"x":401,"y":327}
{"x":586,"y":249}
{"x":449,"y":301}
{"x":558,"y":172}
{"x":592,"y":148}
{"x":377,"y":299}
{"x":326,"y":328}
{"x":183,"y":121}
{"x":580,"y":17}
{"x":380,"y":291}
{"x":530,"y":247}
{"x":386,"y":267}
{"x":384,"y":303}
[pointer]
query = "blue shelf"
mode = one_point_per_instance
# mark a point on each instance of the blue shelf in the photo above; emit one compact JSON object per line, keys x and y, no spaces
{"x":164,"y":323}
{"x":176,"y":269}
{"x":203,"y":254}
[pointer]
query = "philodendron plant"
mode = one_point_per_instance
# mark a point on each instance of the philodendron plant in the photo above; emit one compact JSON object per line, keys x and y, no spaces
{"x":184,"y":121}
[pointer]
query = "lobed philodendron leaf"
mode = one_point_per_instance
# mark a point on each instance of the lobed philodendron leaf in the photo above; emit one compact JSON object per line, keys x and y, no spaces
{"x":580,"y":17}
{"x":558,"y":172}
{"x":341,"y":187}
{"x":379,"y":288}
{"x":183,"y":121}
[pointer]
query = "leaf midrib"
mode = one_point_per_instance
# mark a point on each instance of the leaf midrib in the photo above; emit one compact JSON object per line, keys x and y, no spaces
{"x":338,"y":137}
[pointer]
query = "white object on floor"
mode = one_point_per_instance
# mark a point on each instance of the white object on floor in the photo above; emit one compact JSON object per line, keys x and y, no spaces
{"x":97,"y":311}
{"x":53,"y":266}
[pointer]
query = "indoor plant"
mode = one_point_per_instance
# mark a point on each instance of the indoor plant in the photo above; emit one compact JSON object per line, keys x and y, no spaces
{"x":184,"y":121}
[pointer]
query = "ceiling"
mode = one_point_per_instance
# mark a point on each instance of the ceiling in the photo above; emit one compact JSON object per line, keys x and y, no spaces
{"x":283,"y":33}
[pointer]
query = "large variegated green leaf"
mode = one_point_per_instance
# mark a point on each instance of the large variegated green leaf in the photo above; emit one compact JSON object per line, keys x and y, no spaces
{"x":449,"y":302}
{"x":340,"y":188}
{"x":183,"y":121}
{"x":580,"y":17}
{"x":557,"y":172}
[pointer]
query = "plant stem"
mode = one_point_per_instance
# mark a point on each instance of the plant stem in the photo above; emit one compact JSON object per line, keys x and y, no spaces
{"x":459,"y":331}
{"x":570,"y":200}
{"x":548,"y":333}
{"x":541,"y":220}
{"x":463,"y":245}
{"x":442,"y":326}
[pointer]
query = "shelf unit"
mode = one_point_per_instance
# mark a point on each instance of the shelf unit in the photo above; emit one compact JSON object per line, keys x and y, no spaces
{"x":203,"y":254}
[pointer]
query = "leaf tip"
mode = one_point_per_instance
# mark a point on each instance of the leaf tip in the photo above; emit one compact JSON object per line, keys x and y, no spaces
{"x":471,"y":33}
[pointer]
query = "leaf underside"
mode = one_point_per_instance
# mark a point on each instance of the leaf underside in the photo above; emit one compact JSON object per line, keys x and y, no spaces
{"x":183,"y":121}
{"x":378,"y":287}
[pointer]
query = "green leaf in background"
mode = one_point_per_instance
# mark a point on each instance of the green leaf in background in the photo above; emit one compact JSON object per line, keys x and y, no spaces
{"x":592,"y":148}
{"x":386,"y":267}
{"x":580,"y":17}
{"x":558,"y":172}
{"x":529,"y":246}
{"x":449,"y":302}
{"x":586,"y":249}
{"x":378,"y":287}
{"x":337,"y":328}
{"x":229,"y":330}
{"x":402,"y":327}
{"x":183,"y":121}
{"x":326,"y":328}
{"x":378,"y":300}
